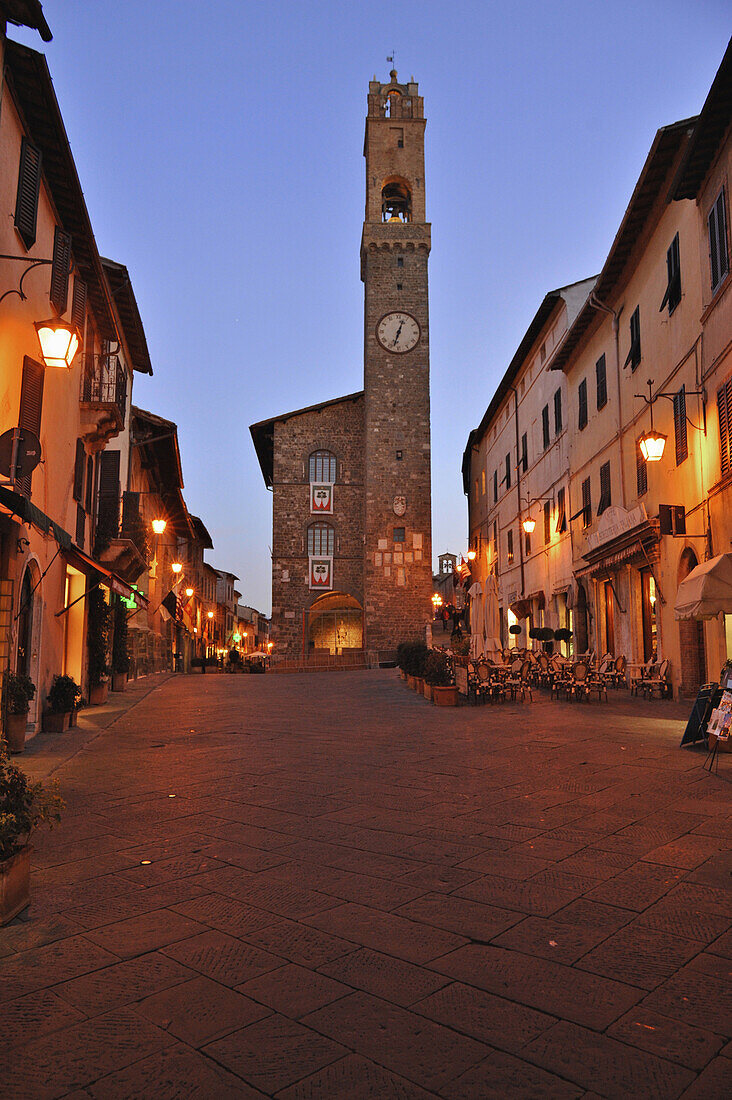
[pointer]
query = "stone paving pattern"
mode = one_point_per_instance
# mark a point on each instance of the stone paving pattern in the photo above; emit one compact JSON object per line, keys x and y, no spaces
{"x":353,"y":894}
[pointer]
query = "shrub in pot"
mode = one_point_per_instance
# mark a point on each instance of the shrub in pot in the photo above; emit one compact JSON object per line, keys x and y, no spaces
{"x":514,"y":629}
{"x":438,"y":673}
{"x":19,"y":690}
{"x":23,"y":806}
{"x":97,"y":643}
{"x":63,"y":697}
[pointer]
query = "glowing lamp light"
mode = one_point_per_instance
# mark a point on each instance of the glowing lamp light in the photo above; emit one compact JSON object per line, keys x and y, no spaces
{"x":436,"y":600}
{"x":158,"y":526}
{"x":59,"y":342}
{"x":176,"y":567}
{"x":189,"y":592}
{"x":472,"y":555}
{"x":652,"y":445}
{"x":528,"y":525}
{"x":209,"y":614}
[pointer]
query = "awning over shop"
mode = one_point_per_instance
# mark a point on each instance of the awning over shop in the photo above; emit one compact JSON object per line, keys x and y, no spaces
{"x":16,"y":504}
{"x":707,"y":591}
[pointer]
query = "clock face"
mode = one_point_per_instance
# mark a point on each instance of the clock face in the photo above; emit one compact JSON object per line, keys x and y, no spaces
{"x":398,"y":332}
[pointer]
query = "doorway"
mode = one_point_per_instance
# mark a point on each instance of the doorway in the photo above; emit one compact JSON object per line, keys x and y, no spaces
{"x":334,"y":625}
{"x":609,"y":618}
{"x":691,"y":638}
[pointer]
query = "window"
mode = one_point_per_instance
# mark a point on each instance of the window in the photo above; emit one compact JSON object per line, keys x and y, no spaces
{"x":586,"y":503}
{"x":321,"y":539}
{"x":557,"y":412}
{"x":582,"y":395}
{"x":399,"y":456}
{"x":60,"y":270}
{"x":672,"y":297}
{"x":322,"y":466}
{"x":724,"y":405}
{"x":88,"y":502}
{"x":398,"y":534}
{"x":78,"y":305}
{"x":508,"y":471}
{"x":495,"y":486}
{"x":400,"y":261}
{"x":561,"y":526}
{"x":26,"y":202}
{"x":641,"y":471}
{"x":545,"y":425}
{"x":482,"y":483}
{"x":601,"y":380}
{"x":547,"y":521}
{"x":682,"y":448}
{"x":718,"y":254}
{"x":524,"y":453}
{"x":634,"y":354}
{"x":605,"y":494}
{"x":509,"y":545}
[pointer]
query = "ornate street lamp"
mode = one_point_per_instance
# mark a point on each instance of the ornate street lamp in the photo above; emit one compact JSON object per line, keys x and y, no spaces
{"x":59,"y":341}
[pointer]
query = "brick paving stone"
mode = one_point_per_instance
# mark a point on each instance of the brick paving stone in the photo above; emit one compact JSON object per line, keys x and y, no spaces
{"x":354,"y":1078}
{"x":274,"y":1052}
{"x":145,"y":932}
{"x":673,"y":916}
{"x":350,"y":859}
{"x":225,"y":914}
{"x":695,"y":998}
{"x":596,"y":863}
{"x":611,"y":1068}
{"x":299,"y":943}
{"x":707,"y":899}
{"x":222,"y":957}
{"x":687,"y":851}
{"x":547,"y":986}
{"x":54,"y":962}
{"x":715,"y":872}
{"x":671,"y":1039}
{"x":713,"y":1082}
{"x":485,"y":1017}
{"x":378,"y":893}
{"x":34,"y":1015}
{"x":439,"y":877}
{"x":722,"y":945}
{"x":384,"y":976}
{"x":200,"y":1010}
{"x":551,"y":938}
{"x":504,"y":1077}
{"x":417,"y":943}
{"x":550,"y":848}
{"x":286,"y":901}
{"x":294,"y":990}
{"x":78,"y":870}
{"x":122,"y":984}
{"x":637,"y":887}
{"x":509,"y":864}
{"x":22,"y":935}
{"x":170,"y":870}
{"x":173,"y":1074}
{"x":533,"y":897}
{"x":54,"y":1064}
{"x":242,"y":855}
{"x":595,"y":915}
{"x":424,"y":1052}
{"x":459,"y":915}
{"x":640,"y":956}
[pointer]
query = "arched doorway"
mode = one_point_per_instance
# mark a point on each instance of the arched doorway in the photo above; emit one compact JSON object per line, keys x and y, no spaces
{"x":28,"y":631}
{"x":580,"y":621}
{"x":691,"y":638}
{"x":334,"y":625}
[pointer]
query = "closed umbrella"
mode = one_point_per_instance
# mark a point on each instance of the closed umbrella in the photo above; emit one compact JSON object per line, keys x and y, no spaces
{"x":476,"y":620}
{"x":707,"y":591}
{"x":491,"y":617}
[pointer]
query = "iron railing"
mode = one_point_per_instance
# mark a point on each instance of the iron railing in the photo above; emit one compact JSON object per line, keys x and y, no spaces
{"x":104,"y":382}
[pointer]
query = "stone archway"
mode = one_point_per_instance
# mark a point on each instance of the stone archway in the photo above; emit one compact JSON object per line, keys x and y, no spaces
{"x":28,"y":620}
{"x":334,"y":625}
{"x":691,"y":637}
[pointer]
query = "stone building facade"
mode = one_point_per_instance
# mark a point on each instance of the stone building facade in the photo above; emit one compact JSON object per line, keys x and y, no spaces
{"x":351,"y":569}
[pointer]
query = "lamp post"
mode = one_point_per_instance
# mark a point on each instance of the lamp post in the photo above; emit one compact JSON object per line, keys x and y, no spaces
{"x":652,"y":443}
{"x":158,"y":526}
{"x":178,"y":656}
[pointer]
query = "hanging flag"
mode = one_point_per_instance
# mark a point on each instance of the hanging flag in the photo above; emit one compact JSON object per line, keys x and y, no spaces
{"x":464,"y":569}
{"x":169,"y":603}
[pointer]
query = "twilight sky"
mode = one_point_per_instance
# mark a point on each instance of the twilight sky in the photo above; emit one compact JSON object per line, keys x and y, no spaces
{"x":219,"y":147}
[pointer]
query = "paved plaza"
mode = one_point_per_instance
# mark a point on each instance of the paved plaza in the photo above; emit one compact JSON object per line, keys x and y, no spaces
{"x":310,"y":887}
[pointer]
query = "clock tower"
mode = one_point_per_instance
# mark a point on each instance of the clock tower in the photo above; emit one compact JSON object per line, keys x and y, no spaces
{"x":394,"y":252}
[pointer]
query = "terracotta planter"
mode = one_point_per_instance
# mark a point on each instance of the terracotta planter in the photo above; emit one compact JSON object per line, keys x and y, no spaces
{"x":56,"y":721}
{"x":98,"y":693}
{"x":14,"y":885}
{"x":402,"y":674}
{"x":427,"y":690}
{"x":73,"y":718}
{"x":410,"y":682}
{"x":419,"y":685}
{"x":119,"y":681}
{"x":15,"y":731}
{"x":445,"y":696}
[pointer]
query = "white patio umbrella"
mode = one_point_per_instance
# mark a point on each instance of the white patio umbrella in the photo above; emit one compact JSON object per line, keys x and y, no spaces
{"x":476,"y":620}
{"x":491,"y":617}
{"x":706,"y":591}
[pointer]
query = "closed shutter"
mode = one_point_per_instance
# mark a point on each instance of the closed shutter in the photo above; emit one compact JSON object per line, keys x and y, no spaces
{"x":79,"y":463}
{"x":59,"y":293}
{"x":724,"y":405}
{"x":495,"y":486}
{"x":547,"y":521}
{"x":508,"y":471}
{"x":718,"y":255}
{"x":558,"y":412}
{"x":26,"y":202}
{"x":582,"y":394}
{"x":682,"y":448}
{"x":80,"y":526}
{"x":601,"y":379}
{"x":561,"y":526}
{"x":545,"y":425}
{"x":586,"y":503}
{"x":524,"y":453}
{"x":641,"y":471}
{"x":108,"y":512}
{"x":634,"y":353}
{"x":605,"y":495}
{"x":78,"y":306}
{"x":130,"y":512}
{"x":31,"y":406}
{"x":672,"y":297}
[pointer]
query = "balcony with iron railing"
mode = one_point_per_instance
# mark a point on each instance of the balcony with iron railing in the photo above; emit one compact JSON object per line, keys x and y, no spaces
{"x":103,"y":397}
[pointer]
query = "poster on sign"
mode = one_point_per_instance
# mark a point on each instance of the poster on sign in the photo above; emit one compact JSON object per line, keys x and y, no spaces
{"x":321,"y":573}
{"x":321,"y":498}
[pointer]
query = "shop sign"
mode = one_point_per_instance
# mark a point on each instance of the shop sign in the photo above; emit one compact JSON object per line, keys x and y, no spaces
{"x":616,"y":522}
{"x":321,"y":498}
{"x":320,"y":573}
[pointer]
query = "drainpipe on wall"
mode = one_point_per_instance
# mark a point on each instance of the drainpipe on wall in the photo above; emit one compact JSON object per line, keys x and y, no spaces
{"x":595,"y":301}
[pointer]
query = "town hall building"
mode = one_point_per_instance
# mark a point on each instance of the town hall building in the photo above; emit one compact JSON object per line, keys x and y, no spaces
{"x":351,"y":550}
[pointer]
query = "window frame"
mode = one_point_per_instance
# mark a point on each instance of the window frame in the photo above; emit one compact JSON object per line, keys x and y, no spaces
{"x":547,"y":522}
{"x":314,"y":537}
{"x":634,"y":353}
{"x":717,"y":239}
{"x":319,"y":456}
{"x":561,"y":524}
{"x":672,"y":297}
{"x":601,"y":377}
{"x":586,"y":503}
{"x":641,"y":470}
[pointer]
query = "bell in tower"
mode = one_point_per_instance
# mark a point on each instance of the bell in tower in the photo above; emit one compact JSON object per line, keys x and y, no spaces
{"x":396,"y":202}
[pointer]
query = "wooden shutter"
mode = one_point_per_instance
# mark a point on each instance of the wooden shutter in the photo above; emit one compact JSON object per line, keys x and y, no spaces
{"x":509,"y":544}
{"x":78,"y":306}
{"x":31,"y":407}
{"x":524,"y":452}
{"x":561,"y":512}
{"x":557,"y":412}
{"x":108,"y":511}
{"x":724,"y":405}
{"x":547,"y":521}
{"x":59,"y":293}
{"x":601,"y":379}
{"x":508,"y":471}
{"x":495,"y":486}
{"x":79,"y":463}
{"x":582,"y":394}
{"x":586,"y":503}
{"x":130,"y":512}
{"x":89,"y":499}
{"x":80,"y":526}
{"x":641,"y":471}
{"x":682,"y":448}
{"x":545,"y":425}
{"x":605,"y":497}
{"x":718,"y":255}
{"x":26,"y":202}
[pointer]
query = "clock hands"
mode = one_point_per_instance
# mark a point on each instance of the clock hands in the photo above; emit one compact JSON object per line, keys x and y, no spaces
{"x":398,"y":332}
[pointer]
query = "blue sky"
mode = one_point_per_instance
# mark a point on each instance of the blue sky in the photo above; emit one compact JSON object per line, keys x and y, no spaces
{"x":220,"y":151}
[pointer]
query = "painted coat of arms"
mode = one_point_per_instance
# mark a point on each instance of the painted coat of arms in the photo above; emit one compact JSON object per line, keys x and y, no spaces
{"x":321,"y":498}
{"x":320,"y":573}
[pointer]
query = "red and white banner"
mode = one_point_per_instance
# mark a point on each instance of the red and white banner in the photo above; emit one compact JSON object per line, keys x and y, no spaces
{"x":321,"y":498}
{"x":321,"y":573}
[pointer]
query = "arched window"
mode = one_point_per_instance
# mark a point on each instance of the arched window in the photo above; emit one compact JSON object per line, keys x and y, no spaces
{"x":322,"y":466}
{"x":321,"y":539}
{"x":396,"y":201}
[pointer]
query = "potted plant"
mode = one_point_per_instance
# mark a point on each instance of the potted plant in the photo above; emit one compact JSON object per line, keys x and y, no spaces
{"x":19,"y":690}
{"x":417,"y":658}
{"x":23,"y":806}
{"x":97,"y":642}
{"x":63,"y":697}
{"x":120,"y":653}
{"x":438,"y":674}
{"x":401,"y":654}
{"x":514,"y":628}
{"x":563,"y":634}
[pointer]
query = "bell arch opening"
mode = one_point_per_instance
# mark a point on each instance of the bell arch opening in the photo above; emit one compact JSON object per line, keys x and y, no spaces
{"x":396,"y":200}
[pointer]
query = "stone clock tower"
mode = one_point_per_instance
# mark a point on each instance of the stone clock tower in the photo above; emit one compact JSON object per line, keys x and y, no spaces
{"x":394,"y":252}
